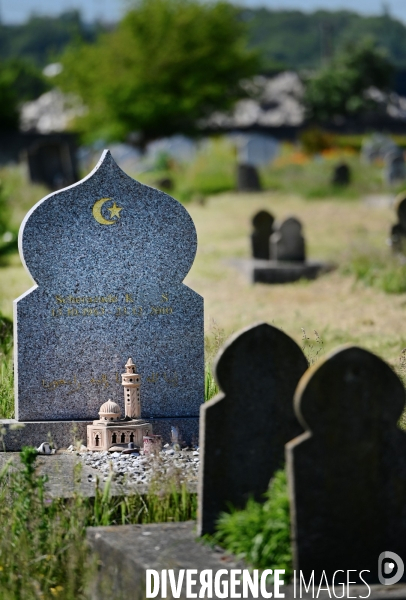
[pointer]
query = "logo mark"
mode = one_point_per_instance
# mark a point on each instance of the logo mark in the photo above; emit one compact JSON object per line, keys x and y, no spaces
{"x":386,"y":566}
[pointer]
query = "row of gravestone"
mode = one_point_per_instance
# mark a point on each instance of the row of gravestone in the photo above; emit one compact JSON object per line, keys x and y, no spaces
{"x":334,"y":424}
{"x":282,"y":242}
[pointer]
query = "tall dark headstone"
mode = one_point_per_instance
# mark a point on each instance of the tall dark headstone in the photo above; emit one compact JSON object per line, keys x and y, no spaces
{"x":341,"y":175}
{"x":398,"y":231}
{"x":347,"y":472}
{"x":243,"y":430}
{"x":395,"y":169}
{"x":287,"y":243}
{"x":53,"y":163}
{"x":263,"y":227}
{"x":248,"y":179}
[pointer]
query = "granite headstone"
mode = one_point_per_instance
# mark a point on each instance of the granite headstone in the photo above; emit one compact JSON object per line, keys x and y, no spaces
{"x":347,"y":472}
{"x":395,"y":169}
{"x":243,"y":431}
{"x":263,"y":227}
{"x":108,"y":256}
{"x":52,"y":162}
{"x":248,"y":178}
{"x":287,"y":243}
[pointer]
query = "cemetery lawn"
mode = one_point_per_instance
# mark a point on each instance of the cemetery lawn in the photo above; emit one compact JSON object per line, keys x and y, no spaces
{"x":348,"y":305}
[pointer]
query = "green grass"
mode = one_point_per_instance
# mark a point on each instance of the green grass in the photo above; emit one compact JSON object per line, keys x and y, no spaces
{"x":214,"y":169}
{"x":377,"y":268}
{"x":261,"y":532}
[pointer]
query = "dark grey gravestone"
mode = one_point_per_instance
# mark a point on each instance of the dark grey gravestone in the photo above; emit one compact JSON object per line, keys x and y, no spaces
{"x":248,"y":179}
{"x":341,"y":175}
{"x":395,"y":170}
{"x":108,"y":256}
{"x":263,"y":227}
{"x":243,"y":430}
{"x":53,"y":163}
{"x":347,"y":473}
{"x":398,"y":231}
{"x":287,"y":243}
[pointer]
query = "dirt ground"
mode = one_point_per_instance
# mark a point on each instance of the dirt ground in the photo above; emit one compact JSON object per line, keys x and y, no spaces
{"x":340,"y":310}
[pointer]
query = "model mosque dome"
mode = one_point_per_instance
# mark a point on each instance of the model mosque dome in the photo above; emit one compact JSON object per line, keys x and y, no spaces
{"x":109,"y":411}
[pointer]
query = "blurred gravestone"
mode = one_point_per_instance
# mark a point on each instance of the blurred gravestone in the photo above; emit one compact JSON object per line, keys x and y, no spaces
{"x":243,"y":430}
{"x":347,"y":473}
{"x":256,"y":149}
{"x":395,"y":170}
{"x":376,"y":147}
{"x":398,"y":231}
{"x":52,"y":163}
{"x":287,"y":243}
{"x":263,"y":227}
{"x":248,"y":179}
{"x":341,"y":175}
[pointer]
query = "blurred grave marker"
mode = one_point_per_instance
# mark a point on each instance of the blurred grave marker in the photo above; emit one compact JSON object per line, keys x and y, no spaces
{"x":52,"y":163}
{"x":287,"y":243}
{"x":263,"y":227}
{"x":395,"y":170}
{"x":341,"y":175}
{"x":397,"y":237}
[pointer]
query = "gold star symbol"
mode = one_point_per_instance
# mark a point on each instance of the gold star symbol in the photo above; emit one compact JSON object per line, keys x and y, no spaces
{"x":114,"y":211}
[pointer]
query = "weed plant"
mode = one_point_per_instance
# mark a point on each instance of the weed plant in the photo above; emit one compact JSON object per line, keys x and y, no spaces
{"x":312,"y":349}
{"x":261,"y":532}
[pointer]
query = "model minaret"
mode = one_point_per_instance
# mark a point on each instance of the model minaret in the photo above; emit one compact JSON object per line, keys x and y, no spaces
{"x":131,"y":383}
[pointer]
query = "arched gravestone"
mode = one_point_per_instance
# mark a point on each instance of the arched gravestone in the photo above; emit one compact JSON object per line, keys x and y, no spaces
{"x":263,"y":227}
{"x":108,"y":256}
{"x":395,"y":170}
{"x":248,"y":179}
{"x":398,"y":231}
{"x":341,"y":174}
{"x":347,"y":473}
{"x":243,"y":431}
{"x":287,"y":243}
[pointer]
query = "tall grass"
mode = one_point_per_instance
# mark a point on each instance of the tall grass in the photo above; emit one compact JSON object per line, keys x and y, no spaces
{"x":6,"y":369}
{"x":43,"y":551}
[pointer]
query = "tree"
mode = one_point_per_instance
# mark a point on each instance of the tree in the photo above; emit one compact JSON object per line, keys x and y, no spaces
{"x":168,"y":64}
{"x":339,"y":87}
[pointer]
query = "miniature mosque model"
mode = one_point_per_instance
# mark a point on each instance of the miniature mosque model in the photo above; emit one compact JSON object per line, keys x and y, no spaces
{"x":109,"y":430}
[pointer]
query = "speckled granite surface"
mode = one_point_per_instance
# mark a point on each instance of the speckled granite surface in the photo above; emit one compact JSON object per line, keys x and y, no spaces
{"x":109,"y":256}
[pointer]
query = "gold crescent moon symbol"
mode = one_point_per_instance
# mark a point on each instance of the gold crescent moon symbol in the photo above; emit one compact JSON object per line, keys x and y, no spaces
{"x":96,"y":210}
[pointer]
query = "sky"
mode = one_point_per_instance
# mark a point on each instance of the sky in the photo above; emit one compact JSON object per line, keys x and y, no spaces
{"x":17,"y":11}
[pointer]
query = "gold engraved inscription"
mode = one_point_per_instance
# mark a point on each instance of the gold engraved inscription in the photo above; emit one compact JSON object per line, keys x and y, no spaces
{"x":170,"y":379}
{"x":104,"y":381}
{"x":52,"y":385}
{"x":72,"y":306}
